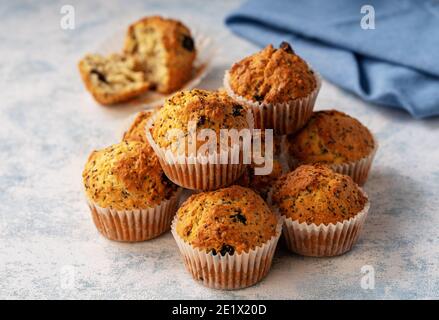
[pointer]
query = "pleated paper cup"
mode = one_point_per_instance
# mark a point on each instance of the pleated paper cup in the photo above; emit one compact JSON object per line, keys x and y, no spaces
{"x":357,"y":170}
{"x":228,"y":272}
{"x":324,"y":240}
{"x":283,"y":118}
{"x":201,"y":173}
{"x":135,"y":225}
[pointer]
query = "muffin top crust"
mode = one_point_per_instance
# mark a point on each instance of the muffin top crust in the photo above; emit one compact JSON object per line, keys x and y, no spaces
{"x":330,"y":137}
{"x":272,"y":76}
{"x":207,"y":109}
{"x":125,"y":176}
{"x":316,"y":194}
{"x":137,"y":130}
{"x":228,"y":220}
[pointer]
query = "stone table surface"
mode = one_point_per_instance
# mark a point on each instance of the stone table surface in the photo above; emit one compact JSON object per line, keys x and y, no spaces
{"x":49,"y":247}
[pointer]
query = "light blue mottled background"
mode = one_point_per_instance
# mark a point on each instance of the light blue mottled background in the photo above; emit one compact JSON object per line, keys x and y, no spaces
{"x":49,"y":124}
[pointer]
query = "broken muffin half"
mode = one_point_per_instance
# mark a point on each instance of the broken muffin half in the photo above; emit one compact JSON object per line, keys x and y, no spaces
{"x":164,"y":49}
{"x":112,"y":79}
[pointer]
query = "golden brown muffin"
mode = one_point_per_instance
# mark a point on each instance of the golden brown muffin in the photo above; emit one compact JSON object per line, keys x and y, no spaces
{"x":260,"y":183}
{"x":125,"y":176}
{"x":164,"y":50}
{"x":233,"y":219}
{"x":137,"y":130}
{"x":272,"y":76}
{"x":331,"y":137}
{"x":112,"y":79}
{"x":316,"y":194}
{"x":208,"y":109}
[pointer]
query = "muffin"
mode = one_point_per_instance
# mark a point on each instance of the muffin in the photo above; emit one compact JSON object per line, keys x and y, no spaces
{"x":334,"y":138}
{"x":324,"y":210}
{"x":164,"y":50}
{"x":278,"y":85}
{"x":278,"y":142}
{"x":112,"y":79}
{"x":261,"y":184}
{"x":137,"y":129}
{"x":260,"y":175}
{"x":253,"y":178}
{"x":227,"y":237}
{"x":129,"y":196}
{"x":199,"y":163}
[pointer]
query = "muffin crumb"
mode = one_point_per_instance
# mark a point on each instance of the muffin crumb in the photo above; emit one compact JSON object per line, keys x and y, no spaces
{"x":112,"y":79}
{"x":164,"y":50}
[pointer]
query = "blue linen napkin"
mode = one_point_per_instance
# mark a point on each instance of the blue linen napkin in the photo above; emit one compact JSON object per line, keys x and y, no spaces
{"x":396,"y":64}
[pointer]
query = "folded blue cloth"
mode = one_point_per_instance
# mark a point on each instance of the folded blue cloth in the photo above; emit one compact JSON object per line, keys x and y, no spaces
{"x":396,"y":64}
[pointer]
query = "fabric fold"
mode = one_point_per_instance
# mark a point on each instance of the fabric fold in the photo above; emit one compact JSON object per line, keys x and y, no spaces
{"x":395,"y":64}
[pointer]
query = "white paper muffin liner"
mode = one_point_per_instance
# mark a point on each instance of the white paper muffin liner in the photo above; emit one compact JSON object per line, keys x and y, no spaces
{"x":228,"y":272}
{"x":283,"y":118}
{"x":357,"y":170}
{"x":201,"y":172}
{"x":135,"y":225}
{"x":324,"y":240}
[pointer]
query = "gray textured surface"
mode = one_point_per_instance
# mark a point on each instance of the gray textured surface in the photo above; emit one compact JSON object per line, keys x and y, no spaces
{"x":49,"y":247}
